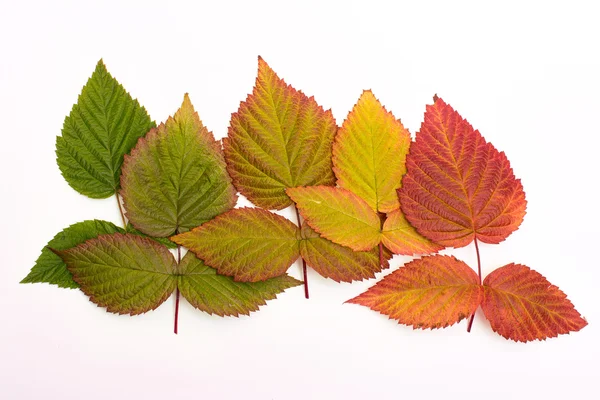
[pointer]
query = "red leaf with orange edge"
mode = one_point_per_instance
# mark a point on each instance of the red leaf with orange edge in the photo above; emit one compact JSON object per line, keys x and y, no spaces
{"x":523,"y":306}
{"x":432,"y":292}
{"x":458,"y":187}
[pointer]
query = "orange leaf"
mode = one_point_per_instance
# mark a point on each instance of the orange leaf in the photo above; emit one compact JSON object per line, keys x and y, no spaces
{"x":432,"y":292}
{"x":522,"y":305}
{"x":459,"y":187}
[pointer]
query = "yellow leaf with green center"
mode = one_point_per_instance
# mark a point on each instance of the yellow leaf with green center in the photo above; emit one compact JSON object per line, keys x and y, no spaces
{"x":279,"y":138}
{"x":175,"y":178}
{"x":369,"y":154}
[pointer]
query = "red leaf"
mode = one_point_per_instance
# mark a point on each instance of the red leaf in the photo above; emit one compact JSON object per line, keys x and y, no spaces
{"x":432,"y":292}
{"x":522,"y":305}
{"x":459,"y":187}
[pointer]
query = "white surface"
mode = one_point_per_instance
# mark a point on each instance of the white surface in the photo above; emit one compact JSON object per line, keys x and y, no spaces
{"x":527,"y":76}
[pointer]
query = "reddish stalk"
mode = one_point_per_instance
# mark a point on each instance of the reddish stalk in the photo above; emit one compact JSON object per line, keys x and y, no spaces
{"x":480,"y":282}
{"x":304,"y":273}
{"x":121,"y":209}
{"x":177,"y":294}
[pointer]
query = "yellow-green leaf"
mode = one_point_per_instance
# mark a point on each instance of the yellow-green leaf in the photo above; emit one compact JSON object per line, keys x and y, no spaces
{"x":369,"y":153}
{"x":176,"y":178}
{"x":279,"y":138}
{"x":221,"y":295}
{"x":249,"y":244}
{"x":338,"y":215}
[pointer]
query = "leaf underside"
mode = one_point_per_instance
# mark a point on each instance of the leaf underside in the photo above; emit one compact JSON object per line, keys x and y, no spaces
{"x":102,"y":127}
{"x":369,"y":154}
{"x":249,"y":244}
{"x":221,"y":295}
{"x":50,"y":268}
{"x":523,"y":306}
{"x":279,"y":138}
{"x":175,"y":178}
{"x":432,"y":292}
{"x":459,"y":187}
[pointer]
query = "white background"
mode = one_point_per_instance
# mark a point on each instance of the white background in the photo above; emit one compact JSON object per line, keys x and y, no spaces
{"x":526,"y":75}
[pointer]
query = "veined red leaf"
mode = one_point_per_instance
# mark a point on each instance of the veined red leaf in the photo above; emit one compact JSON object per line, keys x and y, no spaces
{"x":338,"y":262}
{"x":369,"y":154}
{"x":249,"y":244}
{"x":522,"y":305}
{"x":278,"y":138}
{"x":432,"y":292}
{"x":175,"y":178}
{"x":459,"y":187}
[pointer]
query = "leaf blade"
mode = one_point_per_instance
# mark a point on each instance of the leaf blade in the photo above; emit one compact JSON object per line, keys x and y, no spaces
{"x":175,"y":178}
{"x":459,"y":187}
{"x":111,"y":272}
{"x":432,"y":292}
{"x":338,"y":262}
{"x":278,"y":138}
{"x":102,"y":127}
{"x":369,"y":153}
{"x":523,"y":306}
{"x":50,"y":268}
{"x":221,"y":295}
{"x":402,"y":238}
{"x":249,"y":244}
{"x":338,"y":215}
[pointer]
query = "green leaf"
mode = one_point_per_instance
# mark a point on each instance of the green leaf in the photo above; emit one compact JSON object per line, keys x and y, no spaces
{"x":369,"y":154}
{"x":164,"y":241}
{"x":401,"y":238}
{"x":221,"y":295}
{"x":175,"y":178}
{"x":102,"y":127}
{"x":127,"y":274}
{"x":338,"y":215}
{"x":279,"y":138}
{"x":249,"y":244}
{"x":50,"y":268}
{"x":337,"y":262}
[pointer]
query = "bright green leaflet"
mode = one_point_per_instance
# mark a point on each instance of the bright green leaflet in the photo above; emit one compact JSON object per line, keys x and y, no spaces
{"x":102,"y":127}
{"x":175,"y":178}
{"x":221,"y":295}
{"x":50,"y":268}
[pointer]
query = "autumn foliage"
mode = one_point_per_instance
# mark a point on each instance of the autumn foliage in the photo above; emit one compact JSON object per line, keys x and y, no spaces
{"x":361,"y":192}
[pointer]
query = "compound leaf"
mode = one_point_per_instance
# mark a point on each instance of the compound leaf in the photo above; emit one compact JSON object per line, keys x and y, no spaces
{"x":338,"y":262}
{"x":50,"y":268}
{"x":102,"y":127}
{"x":249,"y":244}
{"x":401,"y":238}
{"x":523,"y":306}
{"x":369,"y":154}
{"x":459,"y":187}
{"x":338,"y":215}
{"x":221,"y":295}
{"x":278,"y":138}
{"x":432,"y":292}
{"x":127,"y":274}
{"x":175,"y":178}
